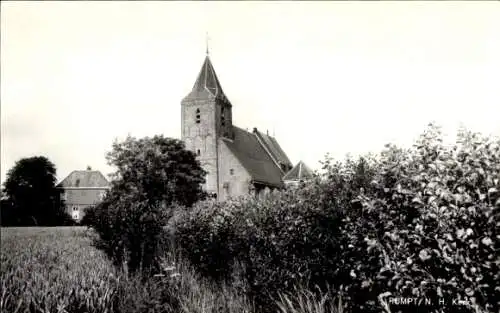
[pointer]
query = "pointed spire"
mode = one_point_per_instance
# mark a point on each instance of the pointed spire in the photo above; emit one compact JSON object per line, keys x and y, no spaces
{"x":207,"y":82}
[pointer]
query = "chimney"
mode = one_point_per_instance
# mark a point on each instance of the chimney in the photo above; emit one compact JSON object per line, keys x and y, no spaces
{"x":267,"y":132}
{"x":255,"y":129}
{"x":89,"y":168}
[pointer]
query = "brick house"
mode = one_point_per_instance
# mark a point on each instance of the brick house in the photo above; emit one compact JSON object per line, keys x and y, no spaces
{"x":238,"y":161}
{"x":82,"y":189}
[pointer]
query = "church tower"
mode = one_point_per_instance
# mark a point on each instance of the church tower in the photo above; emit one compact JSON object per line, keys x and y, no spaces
{"x":206,"y":118}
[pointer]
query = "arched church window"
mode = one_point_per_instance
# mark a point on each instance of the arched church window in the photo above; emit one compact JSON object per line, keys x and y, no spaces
{"x":198,"y":116}
{"x":198,"y":152}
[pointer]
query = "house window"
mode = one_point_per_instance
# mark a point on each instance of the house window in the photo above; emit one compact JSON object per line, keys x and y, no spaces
{"x":64,"y":196}
{"x":75,"y":209}
{"x":231,"y":171}
{"x":198,"y":116}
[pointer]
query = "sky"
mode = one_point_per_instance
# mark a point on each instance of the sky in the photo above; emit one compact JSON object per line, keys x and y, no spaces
{"x":323,"y":77}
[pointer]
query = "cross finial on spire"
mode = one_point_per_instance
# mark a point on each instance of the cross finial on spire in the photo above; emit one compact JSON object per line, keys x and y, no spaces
{"x":207,"y":42}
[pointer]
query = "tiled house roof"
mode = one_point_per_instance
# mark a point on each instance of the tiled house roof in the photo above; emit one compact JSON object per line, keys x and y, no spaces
{"x":299,"y":172}
{"x":82,"y":179}
{"x":207,"y":83}
{"x":272,"y":146}
{"x":248,"y":150}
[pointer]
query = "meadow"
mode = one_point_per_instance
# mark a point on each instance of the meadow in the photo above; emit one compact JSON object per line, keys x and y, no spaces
{"x":56,"y":269}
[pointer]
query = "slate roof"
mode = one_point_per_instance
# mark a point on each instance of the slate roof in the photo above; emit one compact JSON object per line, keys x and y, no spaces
{"x":299,"y":172}
{"x":248,"y":150}
{"x":88,"y":178}
{"x":207,"y":83}
{"x":271,"y":144}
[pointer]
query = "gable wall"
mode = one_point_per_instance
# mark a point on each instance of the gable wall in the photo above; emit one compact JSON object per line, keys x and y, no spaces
{"x":239,"y":182}
{"x":76,"y":200}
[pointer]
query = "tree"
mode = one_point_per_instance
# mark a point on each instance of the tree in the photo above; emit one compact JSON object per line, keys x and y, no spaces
{"x":153,"y":174}
{"x":158,"y":169}
{"x":31,"y":196}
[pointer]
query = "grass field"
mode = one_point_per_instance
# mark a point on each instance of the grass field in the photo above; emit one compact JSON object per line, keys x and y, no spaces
{"x":58,"y":270}
{"x":54,"y":270}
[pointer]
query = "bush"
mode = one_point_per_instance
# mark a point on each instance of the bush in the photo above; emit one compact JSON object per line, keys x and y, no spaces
{"x":420,"y":222}
{"x":280,"y":241}
{"x":130,"y":231}
{"x":153,"y":175}
{"x":430,"y":226}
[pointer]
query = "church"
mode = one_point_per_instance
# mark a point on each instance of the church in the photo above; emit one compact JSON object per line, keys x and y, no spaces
{"x":237,"y":161}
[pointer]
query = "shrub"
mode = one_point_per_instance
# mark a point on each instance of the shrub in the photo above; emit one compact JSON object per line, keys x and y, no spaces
{"x":280,"y":241}
{"x":153,"y":174}
{"x":130,"y":232}
{"x":419,"y":222}
{"x":430,"y":226}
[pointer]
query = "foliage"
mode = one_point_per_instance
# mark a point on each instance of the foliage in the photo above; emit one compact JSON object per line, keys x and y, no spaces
{"x":153,"y":174}
{"x":421,"y":222}
{"x":157,"y":169}
{"x":31,"y":196}
{"x":280,"y":241}
{"x":130,"y":232}
{"x":89,"y":216}
{"x":430,"y":226}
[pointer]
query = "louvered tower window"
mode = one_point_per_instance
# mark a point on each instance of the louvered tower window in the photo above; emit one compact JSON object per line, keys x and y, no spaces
{"x":198,"y":116}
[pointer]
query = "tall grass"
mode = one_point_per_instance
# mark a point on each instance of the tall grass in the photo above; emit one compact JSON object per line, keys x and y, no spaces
{"x":54,"y":270}
{"x":302,"y":300}
{"x":58,"y":270}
